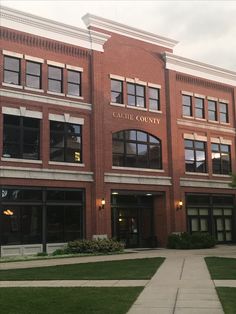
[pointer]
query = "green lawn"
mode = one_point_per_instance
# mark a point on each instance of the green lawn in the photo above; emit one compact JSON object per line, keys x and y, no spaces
{"x":132,"y":269}
{"x":221,"y":268}
{"x":228,"y":299}
{"x":67,"y":300}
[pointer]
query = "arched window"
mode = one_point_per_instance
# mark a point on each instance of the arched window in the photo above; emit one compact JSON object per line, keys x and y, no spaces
{"x":133,"y":148}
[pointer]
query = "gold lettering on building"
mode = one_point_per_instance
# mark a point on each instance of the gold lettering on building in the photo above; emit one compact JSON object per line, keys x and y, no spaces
{"x":133,"y":117}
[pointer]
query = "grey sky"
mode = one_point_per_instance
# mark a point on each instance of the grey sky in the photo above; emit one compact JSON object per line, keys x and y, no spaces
{"x":206,"y":30}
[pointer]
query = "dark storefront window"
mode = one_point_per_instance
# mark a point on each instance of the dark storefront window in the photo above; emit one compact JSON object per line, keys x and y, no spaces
{"x":132,"y":148}
{"x":12,"y":70}
{"x":74,"y":83}
{"x":55,"y":79}
{"x":117,"y":91}
{"x":33,"y":75}
{"x":221,"y":158}
{"x":65,"y":142}
{"x":195,"y":156}
{"x":136,"y":95}
{"x":21,"y":137}
{"x":22,"y":210}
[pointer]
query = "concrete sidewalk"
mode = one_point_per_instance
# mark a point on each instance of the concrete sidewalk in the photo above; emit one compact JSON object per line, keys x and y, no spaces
{"x":182,"y":285}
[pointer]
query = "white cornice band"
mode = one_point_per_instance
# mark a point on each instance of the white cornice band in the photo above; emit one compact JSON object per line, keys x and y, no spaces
{"x":43,"y":27}
{"x":122,"y":29}
{"x":199,"y":69}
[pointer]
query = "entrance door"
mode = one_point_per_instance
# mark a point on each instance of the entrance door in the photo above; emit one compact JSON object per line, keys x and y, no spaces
{"x":223,"y":224}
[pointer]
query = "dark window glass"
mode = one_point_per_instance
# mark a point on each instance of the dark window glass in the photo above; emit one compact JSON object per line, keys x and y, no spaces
{"x":12,"y":70}
{"x":55,"y":79}
{"x":221,"y":159}
{"x":21,"y":137}
{"x":212,"y":110}
{"x":195,"y":156}
{"x":154,"y":102}
{"x":224,"y":116}
{"x":33,"y":74}
{"x":199,"y":108}
{"x":65,"y":142}
{"x":138,"y":149}
{"x":74,"y":83}
{"x":117,"y":91}
{"x":187,"y":105}
{"x":136,"y":95}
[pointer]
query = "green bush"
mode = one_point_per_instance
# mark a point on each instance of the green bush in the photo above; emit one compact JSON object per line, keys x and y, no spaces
{"x":91,"y":246}
{"x":197,"y":240}
{"x":42,"y":254}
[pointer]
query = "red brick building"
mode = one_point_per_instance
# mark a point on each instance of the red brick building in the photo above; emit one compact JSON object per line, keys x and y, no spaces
{"x":110,"y":115}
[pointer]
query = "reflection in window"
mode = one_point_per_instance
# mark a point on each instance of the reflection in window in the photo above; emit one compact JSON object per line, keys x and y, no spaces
{"x":55,"y":79}
{"x":221,"y":158}
{"x":187,"y":105}
{"x":195,"y":156}
{"x":74,"y":83}
{"x":154,"y":96}
{"x":199,"y":108}
{"x":136,"y":95}
{"x":21,"y":137}
{"x":65,"y":142}
{"x":212,"y":110}
{"x":12,"y":70}
{"x":224,"y":116}
{"x":33,"y":74}
{"x":132,"y":148}
{"x":117,"y":91}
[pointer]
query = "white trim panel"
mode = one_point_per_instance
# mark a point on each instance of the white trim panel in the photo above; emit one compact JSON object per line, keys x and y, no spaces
{"x":204,"y":183}
{"x":34,"y":59}
{"x":23,"y":112}
{"x":56,"y":64}
{"x":12,"y":54}
{"x":65,"y":118}
{"x":74,"y":68}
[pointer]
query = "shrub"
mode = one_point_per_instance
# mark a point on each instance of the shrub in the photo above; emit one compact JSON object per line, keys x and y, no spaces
{"x":42,"y":254}
{"x":197,"y":240}
{"x":94,"y":246}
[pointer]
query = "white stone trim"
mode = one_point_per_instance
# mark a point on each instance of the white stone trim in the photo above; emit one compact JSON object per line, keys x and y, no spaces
{"x":137,"y":108}
{"x":220,"y":140}
{"x":197,"y":173}
{"x":19,"y":250}
{"x":155,"y":111}
{"x":116,"y":104}
{"x":199,"y":96}
{"x":224,"y":101}
{"x":38,"y":90}
{"x":204,"y":183}
{"x":55,"y":93}
{"x":34,"y":59}
{"x":136,"y":81}
{"x":39,"y":26}
{"x":70,"y":164}
{"x":212,"y":98}
{"x":12,"y":54}
{"x":206,"y":126}
{"x":137,"y":169}
{"x":195,"y":137}
{"x":117,"y":77}
{"x":136,"y":179}
{"x":12,"y":85}
{"x":199,"y":69}
{"x":221,"y":175}
{"x":186,"y":93}
{"x":75,"y":97}
{"x":154,"y":85}
{"x":74,"y":68}
{"x":66,"y":117}
{"x":29,"y":161}
{"x":125,"y":30}
{"x":45,"y":174}
{"x":23,"y":112}
{"x":56,"y":64}
{"x":45,"y":99}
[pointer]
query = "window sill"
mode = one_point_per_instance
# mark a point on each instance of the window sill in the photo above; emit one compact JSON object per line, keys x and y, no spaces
{"x":75,"y":97}
{"x":34,"y":89}
{"x":31,"y":161}
{"x":155,"y":111}
{"x":137,"y":169}
{"x":188,"y":117}
{"x":197,"y":173}
{"x":221,"y":175}
{"x":70,"y":164}
{"x":212,"y":121}
{"x":225,"y":123}
{"x":137,"y":108}
{"x":55,"y":93}
{"x":201,"y":119}
{"x":12,"y":85}
{"x":117,"y":104}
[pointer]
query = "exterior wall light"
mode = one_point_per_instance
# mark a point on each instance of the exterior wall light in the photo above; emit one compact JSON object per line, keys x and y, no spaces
{"x":8,"y":212}
{"x":179,"y":205}
{"x":103,"y":202}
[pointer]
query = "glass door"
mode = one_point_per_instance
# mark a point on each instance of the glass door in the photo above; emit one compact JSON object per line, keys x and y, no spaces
{"x":223,"y":224}
{"x":127,"y":226}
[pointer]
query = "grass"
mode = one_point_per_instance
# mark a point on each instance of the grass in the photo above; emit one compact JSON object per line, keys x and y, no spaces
{"x":228,"y":299}
{"x":67,"y":300}
{"x":126,"y":269}
{"x":221,"y":268}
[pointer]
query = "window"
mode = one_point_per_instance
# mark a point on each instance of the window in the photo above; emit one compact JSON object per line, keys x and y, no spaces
{"x":221,"y":158}
{"x":132,"y":148}
{"x":21,"y":137}
{"x":12,"y":70}
{"x":33,"y":74}
{"x":65,"y":142}
{"x":55,"y":80}
{"x":154,"y":96}
{"x":195,"y":156}
{"x":136,"y":95}
{"x":224,"y":116}
{"x":117,"y":91}
{"x":212,"y":110}
{"x":199,"y":108}
{"x":74,"y":83}
{"x":187,"y":105}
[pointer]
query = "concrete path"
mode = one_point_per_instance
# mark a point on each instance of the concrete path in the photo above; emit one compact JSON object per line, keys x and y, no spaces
{"x":182,"y":285}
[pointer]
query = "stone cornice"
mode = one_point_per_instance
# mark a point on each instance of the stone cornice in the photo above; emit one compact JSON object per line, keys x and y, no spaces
{"x":43,"y":27}
{"x":199,"y":69}
{"x":204,"y":183}
{"x":109,"y":25}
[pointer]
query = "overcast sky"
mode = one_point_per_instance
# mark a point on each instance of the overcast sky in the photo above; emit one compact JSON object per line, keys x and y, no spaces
{"x":206,"y":30}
